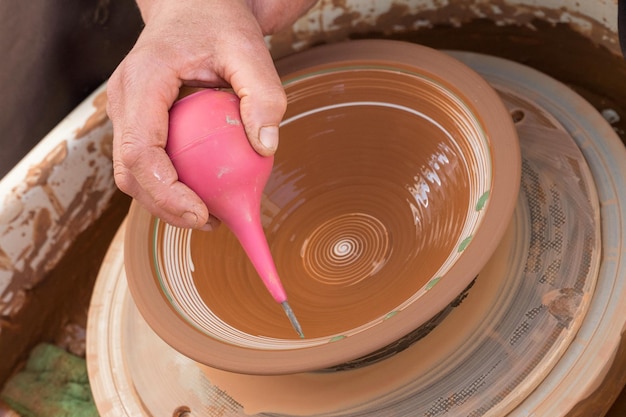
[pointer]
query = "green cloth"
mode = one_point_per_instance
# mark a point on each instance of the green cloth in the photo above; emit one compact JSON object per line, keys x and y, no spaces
{"x":54,"y":383}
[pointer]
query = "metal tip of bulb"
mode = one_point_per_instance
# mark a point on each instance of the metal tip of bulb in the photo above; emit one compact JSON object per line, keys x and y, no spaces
{"x":292,"y":319}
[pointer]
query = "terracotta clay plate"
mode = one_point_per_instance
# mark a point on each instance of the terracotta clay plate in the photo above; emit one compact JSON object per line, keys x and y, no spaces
{"x":397,"y":174}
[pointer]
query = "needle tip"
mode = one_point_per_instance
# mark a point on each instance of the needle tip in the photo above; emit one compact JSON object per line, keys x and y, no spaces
{"x":292,"y":319}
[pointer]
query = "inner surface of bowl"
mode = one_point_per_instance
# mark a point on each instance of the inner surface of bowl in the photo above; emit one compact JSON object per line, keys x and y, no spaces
{"x":380,"y":187}
{"x":372,"y":192}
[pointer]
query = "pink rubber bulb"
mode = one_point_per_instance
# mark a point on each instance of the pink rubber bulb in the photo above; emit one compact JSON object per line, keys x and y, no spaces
{"x":209,"y":148}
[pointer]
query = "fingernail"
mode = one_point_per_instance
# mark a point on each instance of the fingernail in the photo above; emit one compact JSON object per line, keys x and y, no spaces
{"x":190,"y":218}
{"x":268,"y":135}
{"x":211,"y":224}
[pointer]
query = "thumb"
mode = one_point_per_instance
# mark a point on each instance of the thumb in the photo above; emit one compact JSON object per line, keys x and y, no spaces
{"x":262,"y":101}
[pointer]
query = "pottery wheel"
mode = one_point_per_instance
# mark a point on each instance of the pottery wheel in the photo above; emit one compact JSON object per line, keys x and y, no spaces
{"x":523,"y":340}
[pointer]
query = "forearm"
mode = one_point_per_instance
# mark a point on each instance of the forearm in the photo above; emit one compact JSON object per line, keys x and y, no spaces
{"x":145,"y":7}
{"x":275,"y":15}
{"x":272,"y":15}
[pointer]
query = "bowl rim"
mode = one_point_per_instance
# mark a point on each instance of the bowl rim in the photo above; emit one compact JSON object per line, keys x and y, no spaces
{"x":506,"y":172}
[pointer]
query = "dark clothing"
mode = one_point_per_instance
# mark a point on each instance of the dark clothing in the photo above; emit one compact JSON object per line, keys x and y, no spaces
{"x":53,"y":54}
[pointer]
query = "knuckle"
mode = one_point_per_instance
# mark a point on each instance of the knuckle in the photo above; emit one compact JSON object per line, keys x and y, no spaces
{"x":130,"y":149}
{"x":122,"y":179}
{"x":272,"y":99}
{"x":162,"y":200}
{"x":278,"y":96}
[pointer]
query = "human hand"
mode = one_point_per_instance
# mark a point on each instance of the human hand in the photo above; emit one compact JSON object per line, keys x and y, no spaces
{"x":196,"y":43}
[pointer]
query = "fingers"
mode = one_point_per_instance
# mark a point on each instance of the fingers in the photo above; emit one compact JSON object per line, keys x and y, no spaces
{"x":263,"y":100}
{"x":262,"y":109}
{"x":145,"y":172}
{"x":214,"y":46}
{"x":138,"y":106}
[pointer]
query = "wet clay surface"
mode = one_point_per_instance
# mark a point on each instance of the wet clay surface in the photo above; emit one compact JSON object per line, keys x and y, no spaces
{"x":55,"y":310}
{"x":61,"y":194}
{"x":602,"y":402}
{"x":342,"y":221}
{"x":556,"y":50}
{"x":541,"y":139}
{"x":373,"y":219}
{"x":592,"y":71}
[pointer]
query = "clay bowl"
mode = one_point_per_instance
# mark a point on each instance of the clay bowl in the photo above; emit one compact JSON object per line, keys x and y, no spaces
{"x":396,"y":176}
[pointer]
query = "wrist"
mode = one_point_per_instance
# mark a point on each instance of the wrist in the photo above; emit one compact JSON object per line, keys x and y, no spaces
{"x":150,"y":8}
{"x":145,"y":7}
{"x":275,"y":15}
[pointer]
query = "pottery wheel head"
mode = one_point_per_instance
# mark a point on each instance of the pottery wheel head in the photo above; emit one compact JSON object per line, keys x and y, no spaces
{"x":396,"y":176}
